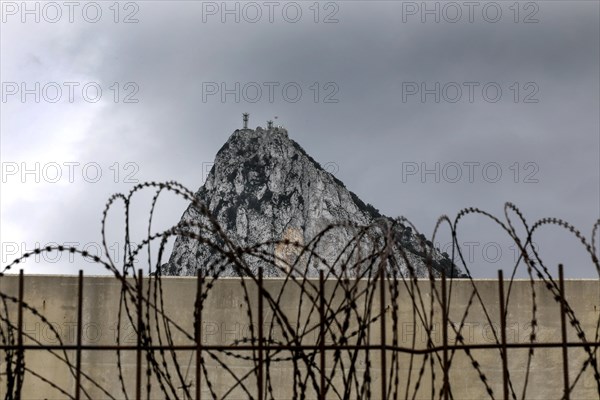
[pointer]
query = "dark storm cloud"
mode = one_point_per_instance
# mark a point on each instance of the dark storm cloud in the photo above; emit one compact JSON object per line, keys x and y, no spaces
{"x":368,"y":55}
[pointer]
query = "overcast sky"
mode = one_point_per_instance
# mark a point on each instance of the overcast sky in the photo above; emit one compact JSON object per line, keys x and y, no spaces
{"x":386,"y":93}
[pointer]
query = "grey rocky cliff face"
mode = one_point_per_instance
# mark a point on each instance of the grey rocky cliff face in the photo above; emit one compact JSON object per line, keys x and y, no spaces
{"x":264,"y":188}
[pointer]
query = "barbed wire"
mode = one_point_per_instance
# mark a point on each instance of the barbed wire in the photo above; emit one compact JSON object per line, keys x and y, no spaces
{"x":348,"y":312}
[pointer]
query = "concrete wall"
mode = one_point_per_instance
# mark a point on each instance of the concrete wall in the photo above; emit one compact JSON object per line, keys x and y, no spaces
{"x":225,"y":319}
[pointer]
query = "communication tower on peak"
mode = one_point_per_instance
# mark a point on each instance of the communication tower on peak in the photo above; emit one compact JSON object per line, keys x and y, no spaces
{"x":246,"y":115}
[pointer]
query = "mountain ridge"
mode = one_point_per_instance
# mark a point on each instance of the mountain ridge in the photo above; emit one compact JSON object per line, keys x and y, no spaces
{"x":265,"y":188}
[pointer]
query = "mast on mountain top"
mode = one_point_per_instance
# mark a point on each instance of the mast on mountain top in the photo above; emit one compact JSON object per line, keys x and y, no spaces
{"x":246,"y":115}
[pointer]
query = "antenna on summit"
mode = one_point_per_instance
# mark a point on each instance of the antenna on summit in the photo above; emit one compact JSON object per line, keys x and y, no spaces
{"x":245,"y":115}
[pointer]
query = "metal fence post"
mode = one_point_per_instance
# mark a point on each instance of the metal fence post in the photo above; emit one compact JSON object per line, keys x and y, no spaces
{"x":563,"y":328}
{"x":20,"y":352}
{"x":322,"y":332}
{"x":138,"y":373}
{"x":382,"y":327}
{"x":260,"y":335}
{"x":446,"y":383}
{"x":503,"y":334}
{"x":198,"y":323}
{"x":79,"y":329}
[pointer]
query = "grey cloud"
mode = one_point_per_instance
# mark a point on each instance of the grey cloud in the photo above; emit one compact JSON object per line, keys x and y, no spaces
{"x":369,"y":133}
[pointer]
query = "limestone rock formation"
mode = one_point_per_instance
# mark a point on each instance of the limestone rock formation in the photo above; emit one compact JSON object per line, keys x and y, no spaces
{"x":263,"y":187}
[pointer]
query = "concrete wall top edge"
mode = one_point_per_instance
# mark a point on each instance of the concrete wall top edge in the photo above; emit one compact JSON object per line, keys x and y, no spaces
{"x":15,"y":275}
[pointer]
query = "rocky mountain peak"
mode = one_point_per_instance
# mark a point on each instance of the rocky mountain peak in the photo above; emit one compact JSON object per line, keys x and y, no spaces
{"x":264,"y":188}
